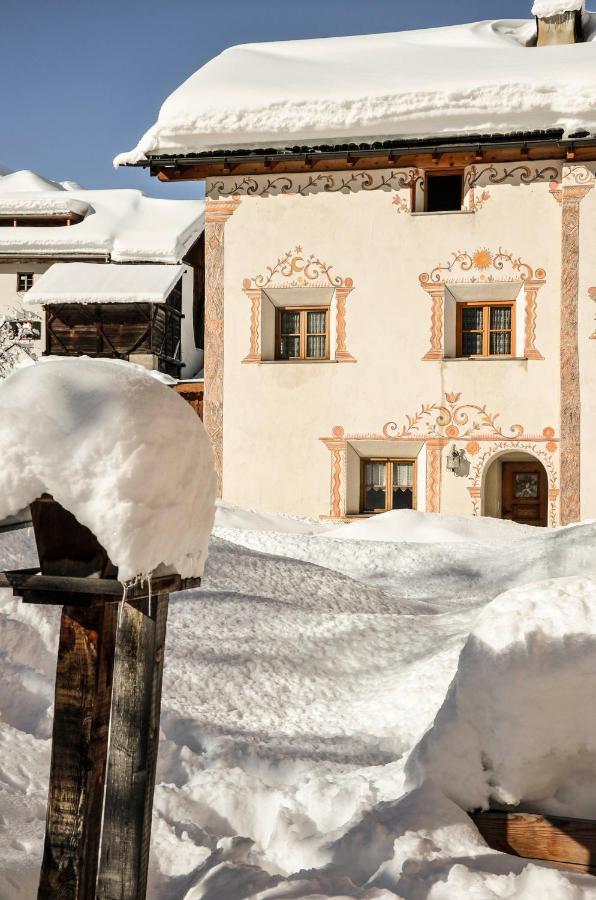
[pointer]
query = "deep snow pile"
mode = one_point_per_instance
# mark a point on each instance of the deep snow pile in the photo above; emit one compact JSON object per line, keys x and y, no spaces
{"x":416,"y":527}
{"x":480,"y":78}
{"x":300,"y":681}
{"x":97,"y":436}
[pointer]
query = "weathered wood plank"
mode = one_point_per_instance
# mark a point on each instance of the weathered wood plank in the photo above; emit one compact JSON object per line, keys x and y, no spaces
{"x":570,"y":843}
{"x":79,"y":752}
{"x":133,"y":750}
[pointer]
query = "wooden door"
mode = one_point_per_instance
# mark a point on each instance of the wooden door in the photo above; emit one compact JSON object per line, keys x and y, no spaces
{"x":525,"y":493}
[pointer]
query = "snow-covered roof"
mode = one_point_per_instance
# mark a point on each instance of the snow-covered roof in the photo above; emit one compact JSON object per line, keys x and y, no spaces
{"x":96,"y":434}
{"x":109,"y":283}
{"x":120,"y":224}
{"x":546,"y":8}
{"x":480,"y":78}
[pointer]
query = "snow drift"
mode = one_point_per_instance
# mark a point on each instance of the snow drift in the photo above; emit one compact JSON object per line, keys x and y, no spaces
{"x":480,"y":78}
{"x":513,"y":726}
{"x":98,"y":436}
{"x":302,"y":677}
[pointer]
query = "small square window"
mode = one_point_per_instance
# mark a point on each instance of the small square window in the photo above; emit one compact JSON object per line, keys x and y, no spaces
{"x":444,"y":192}
{"x":387,"y":484}
{"x":486,"y":329}
{"x":303,"y":333}
{"x":24,"y":282}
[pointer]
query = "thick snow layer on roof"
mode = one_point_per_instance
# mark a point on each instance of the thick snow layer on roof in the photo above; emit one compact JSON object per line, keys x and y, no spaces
{"x":122,"y":452}
{"x":109,"y":283}
{"x":461,"y":79}
{"x":297,"y":682}
{"x":546,"y":8}
{"x":121,"y":224}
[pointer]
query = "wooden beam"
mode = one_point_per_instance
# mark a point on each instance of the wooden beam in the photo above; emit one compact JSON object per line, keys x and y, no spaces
{"x":79,"y":751}
{"x":570,"y":843}
{"x":133,"y":750}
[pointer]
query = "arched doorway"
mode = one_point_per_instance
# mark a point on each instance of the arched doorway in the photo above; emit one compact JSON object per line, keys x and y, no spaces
{"x":515,"y":487}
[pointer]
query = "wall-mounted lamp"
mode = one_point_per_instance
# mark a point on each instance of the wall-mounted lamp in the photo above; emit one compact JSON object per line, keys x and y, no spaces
{"x":456,"y":460}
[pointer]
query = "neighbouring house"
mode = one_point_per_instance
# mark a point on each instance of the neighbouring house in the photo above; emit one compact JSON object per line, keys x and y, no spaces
{"x":400,"y":300}
{"x":111,"y":273}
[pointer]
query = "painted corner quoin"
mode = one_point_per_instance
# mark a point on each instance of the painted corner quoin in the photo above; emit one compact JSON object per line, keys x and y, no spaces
{"x":217,"y":213}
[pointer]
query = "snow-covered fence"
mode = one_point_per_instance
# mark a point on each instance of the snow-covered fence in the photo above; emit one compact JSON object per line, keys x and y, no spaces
{"x":119,"y":476}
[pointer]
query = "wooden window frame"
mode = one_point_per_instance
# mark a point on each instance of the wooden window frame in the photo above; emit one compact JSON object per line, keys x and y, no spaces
{"x":388,"y":482}
{"x":443,"y":173}
{"x":19,"y":276}
{"x":486,"y":306}
{"x":303,"y":310}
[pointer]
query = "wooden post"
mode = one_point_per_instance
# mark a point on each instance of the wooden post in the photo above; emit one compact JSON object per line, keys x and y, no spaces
{"x":79,"y":751}
{"x":107,"y":706}
{"x":136,"y":702}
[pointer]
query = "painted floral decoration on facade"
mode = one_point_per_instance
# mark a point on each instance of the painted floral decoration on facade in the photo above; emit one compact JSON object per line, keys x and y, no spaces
{"x":297,"y":270}
{"x":452,"y":419}
{"x":322,"y":182}
{"x":481,"y":260}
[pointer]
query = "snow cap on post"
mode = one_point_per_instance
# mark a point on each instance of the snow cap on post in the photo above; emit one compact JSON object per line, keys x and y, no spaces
{"x":544,"y":9}
{"x":121,"y":451}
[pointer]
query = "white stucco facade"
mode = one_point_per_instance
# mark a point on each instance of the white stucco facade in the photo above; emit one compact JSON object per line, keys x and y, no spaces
{"x":293,"y":431}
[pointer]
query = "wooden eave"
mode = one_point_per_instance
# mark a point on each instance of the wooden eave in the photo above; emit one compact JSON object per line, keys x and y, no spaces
{"x":425,"y":155}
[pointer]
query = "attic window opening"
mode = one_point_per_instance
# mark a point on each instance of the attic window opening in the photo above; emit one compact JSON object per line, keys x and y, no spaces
{"x":444,"y":191}
{"x":38,"y":221}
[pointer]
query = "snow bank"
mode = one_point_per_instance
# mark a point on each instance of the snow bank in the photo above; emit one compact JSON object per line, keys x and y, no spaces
{"x":479,"y":78}
{"x":546,"y":8}
{"x":125,"y":454}
{"x":412,"y":526}
{"x":294,"y":694}
{"x":122,"y":224}
{"x":228,"y":516}
{"x":513,"y":726}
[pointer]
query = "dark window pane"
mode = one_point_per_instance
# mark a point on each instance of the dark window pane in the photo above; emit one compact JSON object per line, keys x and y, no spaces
{"x":316,"y":346}
{"x":290,"y":347}
{"x":317,"y":322}
{"x":471,"y":344}
{"x":403,"y":498}
{"x":290,"y":322}
{"x":500,"y":317}
{"x":472,"y":317}
{"x":374,"y":498}
{"x":500,"y":343}
{"x":443,"y":192}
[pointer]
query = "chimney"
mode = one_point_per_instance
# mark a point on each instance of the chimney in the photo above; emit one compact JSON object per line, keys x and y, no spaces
{"x":559,"y":22}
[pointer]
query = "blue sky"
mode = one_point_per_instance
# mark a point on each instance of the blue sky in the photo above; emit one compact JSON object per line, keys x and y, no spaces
{"x":85,"y":78}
